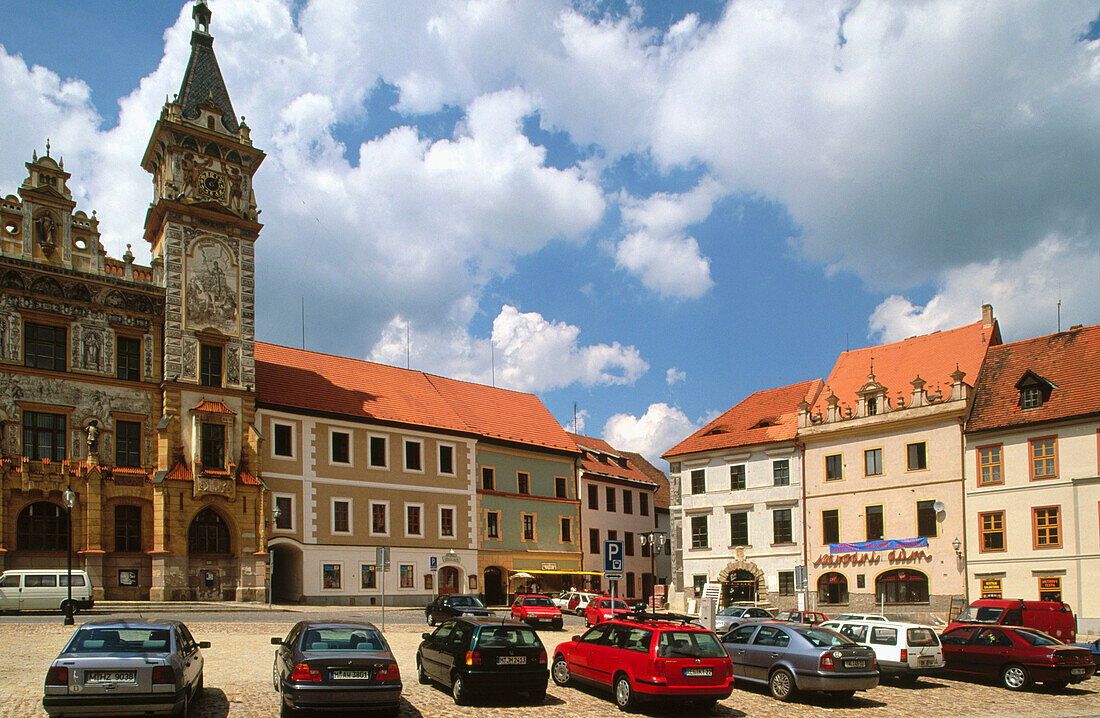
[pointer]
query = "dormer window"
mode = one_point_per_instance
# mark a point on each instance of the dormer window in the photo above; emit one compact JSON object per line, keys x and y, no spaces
{"x":1031,"y":397}
{"x":872,"y":406}
{"x":1034,"y":390}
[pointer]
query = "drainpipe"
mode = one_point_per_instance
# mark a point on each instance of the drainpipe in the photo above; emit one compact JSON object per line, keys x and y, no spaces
{"x":966,"y":533}
{"x":805,"y":531}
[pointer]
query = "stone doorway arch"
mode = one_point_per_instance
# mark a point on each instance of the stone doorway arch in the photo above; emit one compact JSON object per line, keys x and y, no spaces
{"x":742,"y":571}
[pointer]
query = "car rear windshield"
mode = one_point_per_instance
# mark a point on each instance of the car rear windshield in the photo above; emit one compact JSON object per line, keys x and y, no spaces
{"x":466,"y":601}
{"x":820,"y":638}
{"x":121,"y":640}
{"x":339,"y":638}
{"x":1038,"y":639}
{"x":689,"y":644}
{"x":537,"y":601}
{"x":922,"y":637}
{"x":507,"y":637}
{"x":981,"y":614}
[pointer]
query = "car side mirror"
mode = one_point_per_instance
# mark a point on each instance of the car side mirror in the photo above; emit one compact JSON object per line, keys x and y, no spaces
{"x":276,"y":641}
{"x":575,"y":638}
{"x":204,"y":644}
{"x":425,"y":636}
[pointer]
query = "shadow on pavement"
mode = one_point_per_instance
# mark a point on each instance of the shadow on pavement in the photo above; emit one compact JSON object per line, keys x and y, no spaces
{"x":213,"y":704}
{"x":814,"y":698}
{"x":658,"y":707}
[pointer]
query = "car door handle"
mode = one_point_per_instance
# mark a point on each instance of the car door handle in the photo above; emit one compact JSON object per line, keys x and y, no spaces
{"x":775,"y":655}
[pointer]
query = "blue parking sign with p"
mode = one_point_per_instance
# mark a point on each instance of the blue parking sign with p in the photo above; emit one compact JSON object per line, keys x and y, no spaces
{"x":612,"y":556}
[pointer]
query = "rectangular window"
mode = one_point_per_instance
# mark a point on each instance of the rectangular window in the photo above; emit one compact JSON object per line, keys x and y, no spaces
{"x":916,"y":456}
{"x":566,"y":530}
{"x":284,"y":513}
{"x":1048,"y":527}
{"x":1044,"y":458}
{"x":492,"y":524}
{"x":379,"y":519}
{"x":612,"y":535}
{"x":528,"y":527}
{"x":213,"y":446}
{"x":593,"y":497}
{"x":781,"y":472}
{"x":737,"y":479}
{"x":341,"y":516}
{"x":447,"y":522}
{"x":1031,"y":397}
{"x":698,"y":583}
{"x":378,"y":452}
{"x":834,"y":467}
{"x":284,"y":440}
{"x":698,"y":481}
{"x":210,"y":365}
{"x":875,"y":528}
{"x":628,"y":502}
{"x":991,"y":525}
{"x":43,"y":436}
{"x":128,"y":358}
{"x":340,"y":442}
{"x":446,"y":459}
{"x":128,"y":528}
{"x":643,"y":503}
{"x":782,"y":529}
{"x":1050,"y":588}
{"x":593,"y":541}
{"x":44,"y":346}
{"x":926,"y":519}
{"x":872,"y":462}
{"x":523,"y":482}
{"x":408,"y":580}
{"x":330,"y":576}
{"x":645,"y":547}
{"x":488,"y":478}
{"x":630,"y":584}
{"x":699,"y":532}
{"x":739,"y":529}
{"x":368,"y":575}
{"x":830,"y":526}
{"x":609,"y":498}
{"x":628,"y":543}
{"x":413,"y":525}
{"x":989,"y":465}
{"x":128,"y":443}
{"x":786,"y":583}
{"x":560,"y":488}
{"x":413,"y":457}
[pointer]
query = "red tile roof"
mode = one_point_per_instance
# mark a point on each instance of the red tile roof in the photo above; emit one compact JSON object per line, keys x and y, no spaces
{"x":358,"y":389}
{"x":932,"y":356}
{"x":179,"y":472}
{"x":763,"y":417}
{"x":661,"y":499}
{"x":213,"y":407}
{"x":600,"y":458}
{"x":1068,"y":360}
{"x":247,"y":478}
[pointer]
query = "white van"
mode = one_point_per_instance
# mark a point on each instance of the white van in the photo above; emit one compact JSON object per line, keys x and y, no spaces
{"x":44,"y":590}
{"x":905,"y":650}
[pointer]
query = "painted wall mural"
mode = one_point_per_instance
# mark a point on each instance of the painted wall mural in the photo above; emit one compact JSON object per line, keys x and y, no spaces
{"x":212,"y":287}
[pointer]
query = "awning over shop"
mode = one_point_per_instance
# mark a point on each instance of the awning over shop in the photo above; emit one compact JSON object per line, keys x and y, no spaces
{"x":565,"y":573}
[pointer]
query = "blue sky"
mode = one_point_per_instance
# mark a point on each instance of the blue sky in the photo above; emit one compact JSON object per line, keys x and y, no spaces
{"x":649,"y":209}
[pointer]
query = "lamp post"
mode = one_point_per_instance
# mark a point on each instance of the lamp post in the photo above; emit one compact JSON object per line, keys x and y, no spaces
{"x":656,"y":541}
{"x":70,"y":501}
{"x":276,"y":514}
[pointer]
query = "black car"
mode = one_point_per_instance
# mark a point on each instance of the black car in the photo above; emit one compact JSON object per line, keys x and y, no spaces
{"x":335,"y":665}
{"x":444,"y":607}
{"x":473,"y":654}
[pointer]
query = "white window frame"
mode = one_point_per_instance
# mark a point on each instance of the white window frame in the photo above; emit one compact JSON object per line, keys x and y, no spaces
{"x":370,"y":519}
{"x":293,"y":512}
{"x":386,"y":441}
{"x":439,"y":458}
{"x":405,"y":454}
{"x":321,"y":575}
{"x":351,"y":446}
{"x":332,"y":516}
{"x":408,"y":505}
{"x":293,"y":440}
{"x":454,"y":522}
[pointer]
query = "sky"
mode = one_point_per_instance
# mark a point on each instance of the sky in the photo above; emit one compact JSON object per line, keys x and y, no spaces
{"x":642,"y":211}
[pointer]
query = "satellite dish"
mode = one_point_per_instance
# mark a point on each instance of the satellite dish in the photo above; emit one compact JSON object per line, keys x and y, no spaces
{"x":939,"y":507}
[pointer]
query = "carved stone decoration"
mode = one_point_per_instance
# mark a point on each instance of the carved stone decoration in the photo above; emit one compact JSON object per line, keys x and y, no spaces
{"x":46,"y":233}
{"x":76,"y":333}
{"x":213,"y":485}
{"x":12,"y":280}
{"x":190,"y":349}
{"x":3,"y":337}
{"x":48,"y":286}
{"x":232,"y":366}
{"x":108,"y":352}
{"x":116,"y":299}
{"x":93,"y":351}
{"x":211,"y":288}
{"x":11,"y":439}
{"x":148,"y":355}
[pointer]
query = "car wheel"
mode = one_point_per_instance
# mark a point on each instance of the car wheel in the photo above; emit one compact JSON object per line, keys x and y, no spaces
{"x":560,"y":670}
{"x":624,"y":693}
{"x":421,"y":676}
{"x":459,"y":691}
{"x":1014,"y":677}
{"x":781,"y":685}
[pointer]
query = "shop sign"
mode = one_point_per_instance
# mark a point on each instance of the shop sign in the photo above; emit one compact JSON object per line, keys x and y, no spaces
{"x":898,"y":555}
{"x":991,"y":588}
{"x":549,"y":567}
{"x":1050,"y":584}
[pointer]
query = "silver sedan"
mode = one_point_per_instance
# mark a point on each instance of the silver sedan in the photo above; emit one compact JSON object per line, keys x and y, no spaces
{"x":732,"y":616}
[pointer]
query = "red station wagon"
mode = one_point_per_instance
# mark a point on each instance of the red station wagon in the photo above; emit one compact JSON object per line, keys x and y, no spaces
{"x":535,"y":609}
{"x":1016,"y":656}
{"x":642,"y":657}
{"x":599,"y":610}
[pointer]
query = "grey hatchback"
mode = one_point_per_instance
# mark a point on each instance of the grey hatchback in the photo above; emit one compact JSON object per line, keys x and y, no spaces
{"x":127,"y":667}
{"x":793,"y":657}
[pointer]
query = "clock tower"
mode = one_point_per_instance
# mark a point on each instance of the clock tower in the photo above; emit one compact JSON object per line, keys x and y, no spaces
{"x":209,"y":502}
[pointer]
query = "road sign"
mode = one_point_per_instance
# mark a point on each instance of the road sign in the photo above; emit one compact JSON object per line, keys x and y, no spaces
{"x":613,"y":576}
{"x":382,"y":558}
{"x":433,"y":562}
{"x":612,"y":557}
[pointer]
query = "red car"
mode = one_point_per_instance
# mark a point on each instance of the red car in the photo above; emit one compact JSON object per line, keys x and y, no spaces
{"x":1016,"y":656}
{"x":534,"y":609}
{"x":810,"y":618}
{"x":647,"y":658}
{"x":599,"y":610}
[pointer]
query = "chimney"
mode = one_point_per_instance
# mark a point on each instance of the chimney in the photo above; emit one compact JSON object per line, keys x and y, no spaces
{"x":987,"y":316}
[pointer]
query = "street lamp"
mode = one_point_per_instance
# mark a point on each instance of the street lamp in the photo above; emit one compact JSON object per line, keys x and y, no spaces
{"x":70,"y":501}
{"x":957,"y":545}
{"x":276,"y":514}
{"x":656,"y":541}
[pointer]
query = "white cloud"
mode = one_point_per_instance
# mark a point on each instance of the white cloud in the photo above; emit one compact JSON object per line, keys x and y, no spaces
{"x":1024,"y":293}
{"x":651,"y":434}
{"x":674,"y":376}
{"x":576,"y":424}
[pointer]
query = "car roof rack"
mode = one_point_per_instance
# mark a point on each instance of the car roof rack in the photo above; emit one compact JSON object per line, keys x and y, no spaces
{"x":641,"y":614}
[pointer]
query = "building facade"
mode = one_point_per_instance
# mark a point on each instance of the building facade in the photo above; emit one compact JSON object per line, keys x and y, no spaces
{"x":1032,"y":473}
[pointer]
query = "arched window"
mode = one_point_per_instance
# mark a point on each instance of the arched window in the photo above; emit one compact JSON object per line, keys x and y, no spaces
{"x":208,"y":533}
{"x":832,"y":587}
{"x":903,"y":585}
{"x":42,"y":526}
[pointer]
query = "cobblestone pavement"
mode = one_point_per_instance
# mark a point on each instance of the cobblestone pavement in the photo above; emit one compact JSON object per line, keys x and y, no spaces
{"x":238,"y":684}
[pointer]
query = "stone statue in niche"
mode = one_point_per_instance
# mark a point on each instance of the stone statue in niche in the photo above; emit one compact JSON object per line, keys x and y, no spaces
{"x":91,"y":432}
{"x":45,"y":233}
{"x":212,"y":288}
{"x":92,"y":350}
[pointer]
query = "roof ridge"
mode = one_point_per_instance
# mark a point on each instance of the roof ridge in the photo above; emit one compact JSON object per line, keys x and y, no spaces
{"x":952,"y":330}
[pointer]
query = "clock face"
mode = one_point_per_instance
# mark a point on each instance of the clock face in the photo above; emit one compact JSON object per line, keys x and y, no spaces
{"x":211,"y":184}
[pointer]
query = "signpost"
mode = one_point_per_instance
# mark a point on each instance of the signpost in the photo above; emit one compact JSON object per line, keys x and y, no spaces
{"x":613,"y":566}
{"x":382,"y":561}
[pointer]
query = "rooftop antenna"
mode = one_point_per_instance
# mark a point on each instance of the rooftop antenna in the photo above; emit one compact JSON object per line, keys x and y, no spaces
{"x":847,"y":345}
{"x":1059,"y":314}
{"x":408,"y":346}
{"x":575,"y":418}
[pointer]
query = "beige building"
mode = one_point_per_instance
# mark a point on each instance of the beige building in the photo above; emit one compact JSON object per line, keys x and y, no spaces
{"x":1032,"y":472}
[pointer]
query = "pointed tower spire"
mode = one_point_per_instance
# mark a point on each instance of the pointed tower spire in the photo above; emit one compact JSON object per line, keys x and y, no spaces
{"x":203,"y":85}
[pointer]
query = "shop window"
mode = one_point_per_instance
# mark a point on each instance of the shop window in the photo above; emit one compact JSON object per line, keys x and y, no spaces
{"x":331,"y":580}
{"x":1050,"y":588}
{"x":902,"y":586}
{"x":832,"y":587}
{"x":408,"y":579}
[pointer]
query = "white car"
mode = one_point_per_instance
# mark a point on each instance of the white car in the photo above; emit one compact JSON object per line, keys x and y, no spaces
{"x":577,"y":601}
{"x":561,"y":600}
{"x":906,"y":650}
{"x":861,"y":617}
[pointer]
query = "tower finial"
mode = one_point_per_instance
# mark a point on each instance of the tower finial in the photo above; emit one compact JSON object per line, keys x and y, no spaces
{"x":201,"y":14}
{"x":47,"y":146}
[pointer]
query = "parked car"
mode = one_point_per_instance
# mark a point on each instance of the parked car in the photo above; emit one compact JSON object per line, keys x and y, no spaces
{"x":905,"y":650}
{"x":1051,"y":617}
{"x":126,"y":667}
{"x":1015,"y":656}
{"x":1093,"y":648}
{"x":473,"y":654}
{"x":335,"y":665}
{"x":44,"y":590}
{"x":535,"y":610}
{"x":732,"y":616}
{"x":600,"y":609}
{"x":452,"y":606}
{"x":810,"y":618}
{"x":860,"y":617}
{"x":578,"y":601}
{"x":791,"y":657}
{"x":561,"y":600}
{"x":646,"y":658}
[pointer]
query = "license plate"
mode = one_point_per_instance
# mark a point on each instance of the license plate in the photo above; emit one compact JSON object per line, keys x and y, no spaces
{"x":350,"y":675}
{"x":1077,"y":672}
{"x":110,"y":676}
{"x":855,"y":664}
{"x":926,"y":661}
{"x":698,"y":672}
{"x":511,"y":660}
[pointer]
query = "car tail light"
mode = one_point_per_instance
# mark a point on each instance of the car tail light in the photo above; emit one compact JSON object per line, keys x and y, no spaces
{"x":473,"y":658}
{"x":164,"y":674}
{"x":390,"y":672}
{"x":659,"y":666}
{"x":57,"y":676}
{"x":542,"y":658}
{"x":1058,"y":657}
{"x":905,"y":655}
{"x":874,"y":664}
{"x":827,"y":662}
{"x":302,"y":673}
